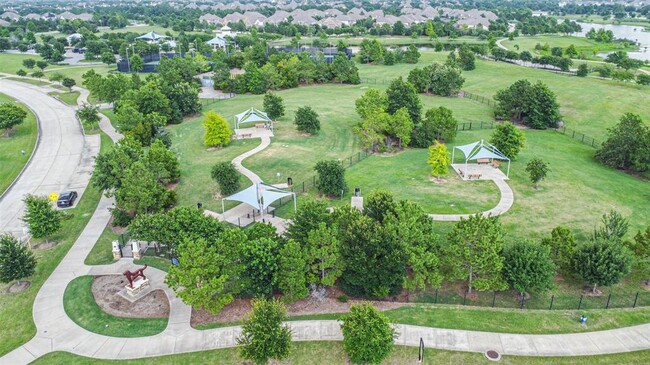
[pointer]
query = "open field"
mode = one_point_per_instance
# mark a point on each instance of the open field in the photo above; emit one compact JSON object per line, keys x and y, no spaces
{"x":11,"y":62}
{"x":583,"y":45}
{"x":75,"y":72}
{"x":29,"y":81}
{"x":80,"y":306}
{"x":16,"y":309}
{"x":640,"y":22}
{"x":332,"y":353}
{"x":69,"y":98}
{"x":23,"y":138}
{"x":589,"y":105}
{"x":385,"y":40}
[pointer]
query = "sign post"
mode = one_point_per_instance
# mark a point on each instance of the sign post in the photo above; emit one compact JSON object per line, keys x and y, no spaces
{"x":421,"y":354}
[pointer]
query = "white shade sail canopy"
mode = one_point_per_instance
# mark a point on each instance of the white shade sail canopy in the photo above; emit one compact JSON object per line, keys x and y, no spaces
{"x":252,"y":115}
{"x":480,"y":150}
{"x":152,"y":36}
{"x":259,"y":196}
{"x":217,"y":42}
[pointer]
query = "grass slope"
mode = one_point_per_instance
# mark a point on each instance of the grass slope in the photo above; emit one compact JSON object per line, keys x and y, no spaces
{"x":11,"y":62}
{"x":332,"y":353}
{"x":23,"y":138}
{"x":80,"y":306}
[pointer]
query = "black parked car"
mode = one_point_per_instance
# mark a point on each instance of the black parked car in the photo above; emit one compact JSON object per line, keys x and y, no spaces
{"x":66,"y":199}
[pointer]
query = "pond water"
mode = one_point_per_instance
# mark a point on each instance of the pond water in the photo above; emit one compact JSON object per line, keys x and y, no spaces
{"x":633,"y":33}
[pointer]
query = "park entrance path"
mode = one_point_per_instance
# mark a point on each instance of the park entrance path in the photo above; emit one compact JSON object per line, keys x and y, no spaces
{"x":63,"y":158}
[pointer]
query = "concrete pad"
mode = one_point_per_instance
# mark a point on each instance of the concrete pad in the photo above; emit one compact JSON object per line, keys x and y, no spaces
{"x":550,"y":345}
{"x":606,"y":342}
{"x":521,"y":345}
{"x":19,"y":356}
{"x":111,"y":348}
{"x":484,"y":341}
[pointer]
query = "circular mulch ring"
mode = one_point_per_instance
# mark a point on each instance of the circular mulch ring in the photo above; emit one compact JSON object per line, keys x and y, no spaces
{"x":19,"y":287}
{"x":105,"y":289}
{"x":45,"y":246}
{"x":492,"y":355}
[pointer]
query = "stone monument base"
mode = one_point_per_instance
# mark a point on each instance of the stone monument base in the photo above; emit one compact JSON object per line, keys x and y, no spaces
{"x":141,"y":287}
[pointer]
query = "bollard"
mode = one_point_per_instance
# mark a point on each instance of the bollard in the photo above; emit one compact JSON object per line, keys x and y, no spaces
{"x":552,"y":299}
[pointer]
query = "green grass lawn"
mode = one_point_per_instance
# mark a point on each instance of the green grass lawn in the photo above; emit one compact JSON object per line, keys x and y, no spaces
{"x":583,"y":45}
{"x":80,"y":306}
{"x":640,"y":22}
{"x":75,"y":72}
{"x":29,"y":81}
{"x":385,"y":40}
{"x":102,"y":251}
{"x":11,"y":62}
{"x":589,"y":105}
{"x":16,"y":309}
{"x":332,"y":353}
{"x":23,"y":138}
{"x":69,"y":98}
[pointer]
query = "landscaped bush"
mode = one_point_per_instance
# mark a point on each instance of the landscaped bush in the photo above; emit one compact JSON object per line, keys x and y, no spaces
{"x":307,"y":120}
{"x":227,"y":177}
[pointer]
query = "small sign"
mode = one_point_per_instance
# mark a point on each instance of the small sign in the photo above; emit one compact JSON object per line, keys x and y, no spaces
{"x":421,"y":354}
{"x":53,"y":197}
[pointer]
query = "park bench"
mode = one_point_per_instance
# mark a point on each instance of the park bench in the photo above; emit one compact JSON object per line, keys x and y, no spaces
{"x":483,"y":161}
{"x":260,"y":125}
{"x":474,"y":176}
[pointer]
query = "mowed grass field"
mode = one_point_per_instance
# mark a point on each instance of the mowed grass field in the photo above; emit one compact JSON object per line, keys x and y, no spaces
{"x":589,"y":105}
{"x":22,"y":138}
{"x":582,"y":44}
{"x":332,"y":353}
{"x":11,"y":62}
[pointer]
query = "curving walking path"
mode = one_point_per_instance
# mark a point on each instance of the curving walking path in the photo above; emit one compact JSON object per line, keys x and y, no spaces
{"x":63,"y":158}
{"x":57,"y":332}
{"x":505,"y":203}
{"x":237,"y":161}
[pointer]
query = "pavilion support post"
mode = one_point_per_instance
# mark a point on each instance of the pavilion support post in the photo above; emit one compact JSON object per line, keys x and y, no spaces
{"x":295,"y":206}
{"x":453,"y":151}
{"x":223,"y":208}
{"x":508,"y":173}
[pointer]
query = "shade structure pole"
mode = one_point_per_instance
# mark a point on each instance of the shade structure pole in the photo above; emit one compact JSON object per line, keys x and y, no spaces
{"x":453,"y":151}
{"x":223,"y":208}
{"x":508,"y":173}
{"x":295,"y":206}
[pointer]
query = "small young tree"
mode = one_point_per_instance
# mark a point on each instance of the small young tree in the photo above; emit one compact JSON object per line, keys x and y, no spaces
{"x":136,"y":63}
{"x":16,"y":260}
{"x":614,"y":227}
{"x":527,"y":266}
{"x":307,"y":120}
{"x":583,"y":70}
{"x":29,"y":63}
{"x":38,"y":74}
{"x":292,"y":272}
{"x":323,"y":255}
{"x":69,"y":83}
{"x":227,"y":177}
{"x":273,"y":105}
{"x":331,"y":178}
{"x":508,"y":139}
{"x":42,"y":65}
{"x":21,"y":72}
{"x":602,"y":262}
{"x":89,"y":114}
{"x":439,"y":160}
{"x":11,"y":115}
{"x":640,"y":246}
{"x":263,"y":335}
{"x":537,"y":170}
{"x":627,"y":145}
{"x":217,"y":131}
{"x":367,"y":334}
{"x":562,"y":244}
{"x":41,"y":218}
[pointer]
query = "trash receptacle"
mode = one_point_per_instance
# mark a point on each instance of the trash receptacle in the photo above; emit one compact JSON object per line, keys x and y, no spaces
{"x":357,"y":192}
{"x":199,"y":205}
{"x":289,"y":181}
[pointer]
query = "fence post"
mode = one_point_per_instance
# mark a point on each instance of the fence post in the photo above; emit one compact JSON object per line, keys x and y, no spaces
{"x":435,"y":300}
{"x":636,"y":297}
{"x":574,"y":134}
{"x":239,"y":222}
{"x":465,"y":297}
{"x":523,"y":299}
{"x":303,"y":186}
{"x":580,"y":302}
{"x":494,"y":298}
{"x":552,"y":299}
{"x":358,"y":156}
{"x":608,"y":298}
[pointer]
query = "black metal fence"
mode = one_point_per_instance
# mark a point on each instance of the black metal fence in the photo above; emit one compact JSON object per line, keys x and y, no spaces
{"x":510,"y":299}
{"x":579,"y":136}
{"x":209,"y":101}
{"x":479,"y":98}
{"x":474,"y":125}
{"x":304,"y":186}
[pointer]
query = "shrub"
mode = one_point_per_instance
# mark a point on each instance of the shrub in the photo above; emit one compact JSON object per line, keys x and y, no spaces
{"x":508,"y":139}
{"x":227,"y":177}
{"x":331,"y":178}
{"x":367,"y":335}
{"x":307,"y":120}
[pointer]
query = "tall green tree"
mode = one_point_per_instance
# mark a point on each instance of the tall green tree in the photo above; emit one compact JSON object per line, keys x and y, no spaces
{"x":41,"y":217}
{"x":292,"y":271}
{"x":533,"y":104}
{"x":89,"y":114}
{"x":141,"y":193}
{"x":16,"y":260}
{"x":474,"y":252}
{"x":439,"y":160}
{"x":260,"y":258}
{"x":202,"y":277}
{"x":466,"y":58}
{"x":264,"y":336}
{"x":602,"y":262}
{"x":367,"y":334}
{"x":528,"y":267}
{"x":110,"y":167}
{"x":508,"y":139}
{"x":136,"y":63}
{"x":310,"y":214}
{"x":273,"y":105}
{"x":438,"y":124}
{"x":344,"y":70}
{"x":411,"y":55}
{"x":322,"y":248}
{"x":11,"y":116}
{"x":627,"y":146}
{"x":69,"y":83}
{"x":614,"y":227}
{"x":373,"y":101}
{"x":331,"y":178}
{"x":217,"y":131}
{"x":401,"y":94}
{"x":306,"y":120}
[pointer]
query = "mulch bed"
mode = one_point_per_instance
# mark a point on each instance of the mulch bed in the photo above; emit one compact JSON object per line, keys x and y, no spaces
{"x":105,"y":289}
{"x":240,"y":307}
{"x":19,"y":287}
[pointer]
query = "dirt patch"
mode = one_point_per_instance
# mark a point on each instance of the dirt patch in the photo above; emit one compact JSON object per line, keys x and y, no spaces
{"x":240,"y":307}
{"x":45,"y":245}
{"x":435,"y":180}
{"x":116,"y":229}
{"x":589,"y":292}
{"x":19,"y":287}
{"x":105,"y":289}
